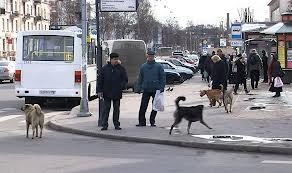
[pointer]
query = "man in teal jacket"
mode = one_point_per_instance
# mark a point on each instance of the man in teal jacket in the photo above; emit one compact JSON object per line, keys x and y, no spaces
{"x":151,"y":78}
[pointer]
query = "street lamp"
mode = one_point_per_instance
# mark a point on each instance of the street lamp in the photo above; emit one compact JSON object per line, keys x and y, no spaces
{"x":84,"y":108}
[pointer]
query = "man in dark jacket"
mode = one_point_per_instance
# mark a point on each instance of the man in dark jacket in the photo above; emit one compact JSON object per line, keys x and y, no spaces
{"x":113,"y":79}
{"x":224,"y":60}
{"x":254,"y":65}
{"x":265,"y":66}
{"x":151,"y":78}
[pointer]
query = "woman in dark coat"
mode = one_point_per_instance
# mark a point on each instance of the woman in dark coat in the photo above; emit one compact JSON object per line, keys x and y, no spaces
{"x":275,"y":70}
{"x":219,"y":75}
{"x":241,"y":75}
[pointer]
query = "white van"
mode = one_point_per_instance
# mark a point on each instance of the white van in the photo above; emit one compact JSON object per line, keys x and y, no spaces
{"x":132,"y":54}
{"x":49,"y":64}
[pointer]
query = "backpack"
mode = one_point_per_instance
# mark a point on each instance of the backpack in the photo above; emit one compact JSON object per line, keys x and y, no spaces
{"x":253,"y":60}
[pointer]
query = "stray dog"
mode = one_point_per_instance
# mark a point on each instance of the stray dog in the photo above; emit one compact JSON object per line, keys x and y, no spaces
{"x":213,"y":95}
{"x":228,"y":100}
{"x":191,"y":114}
{"x":34,"y":117}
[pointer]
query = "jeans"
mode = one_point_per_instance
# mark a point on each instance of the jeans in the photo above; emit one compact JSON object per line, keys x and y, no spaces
{"x":106,"y":111}
{"x":143,"y":108}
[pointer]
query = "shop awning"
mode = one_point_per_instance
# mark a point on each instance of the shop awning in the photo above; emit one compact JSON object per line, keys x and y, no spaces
{"x":279,"y":28}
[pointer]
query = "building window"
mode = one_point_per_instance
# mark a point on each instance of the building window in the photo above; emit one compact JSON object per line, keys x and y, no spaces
{"x":31,"y":10}
{"x":16,"y":26}
{"x":39,"y":11}
{"x":12,"y":26}
{"x":27,"y":9}
{"x":3,"y":25}
{"x":45,"y":27}
{"x":45,"y":14}
{"x":3,"y":44}
{"x":7,"y":25}
{"x":31,"y":26}
{"x":28,"y":26}
{"x":39,"y":26}
{"x":15,"y":6}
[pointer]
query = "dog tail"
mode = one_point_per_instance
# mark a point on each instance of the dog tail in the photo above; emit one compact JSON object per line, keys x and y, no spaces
{"x":38,"y":109}
{"x":177,"y":100}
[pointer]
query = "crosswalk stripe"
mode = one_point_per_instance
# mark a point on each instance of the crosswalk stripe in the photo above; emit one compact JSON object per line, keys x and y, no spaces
{"x":5,"y":118}
{"x":276,"y":162}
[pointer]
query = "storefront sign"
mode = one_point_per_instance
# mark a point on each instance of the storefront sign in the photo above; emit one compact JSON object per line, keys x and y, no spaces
{"x":281,"y":54}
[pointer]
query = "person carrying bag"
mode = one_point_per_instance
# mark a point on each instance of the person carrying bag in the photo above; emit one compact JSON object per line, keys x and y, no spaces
{"x":275,"y":73}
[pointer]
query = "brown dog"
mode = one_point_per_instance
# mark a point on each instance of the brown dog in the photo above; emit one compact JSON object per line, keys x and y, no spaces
{"x":213,"y":95}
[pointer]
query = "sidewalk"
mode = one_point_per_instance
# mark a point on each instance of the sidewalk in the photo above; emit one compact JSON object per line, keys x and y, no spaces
{"x":267,"y":130}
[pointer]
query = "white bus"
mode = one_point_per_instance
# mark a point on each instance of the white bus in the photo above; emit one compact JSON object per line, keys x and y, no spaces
{"x":132,"y":54}
{"x":49,"y":64}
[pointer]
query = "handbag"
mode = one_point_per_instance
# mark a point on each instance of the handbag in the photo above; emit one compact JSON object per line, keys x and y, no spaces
{"x":278,"y":82}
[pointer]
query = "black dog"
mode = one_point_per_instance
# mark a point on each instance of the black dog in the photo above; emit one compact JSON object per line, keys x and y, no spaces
{"x":191,"y":114}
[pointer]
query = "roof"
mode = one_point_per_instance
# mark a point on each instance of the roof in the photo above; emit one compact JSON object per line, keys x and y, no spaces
{"x":272,"y":2}
{"x":278,"y":28}
{"x":253,"y":27}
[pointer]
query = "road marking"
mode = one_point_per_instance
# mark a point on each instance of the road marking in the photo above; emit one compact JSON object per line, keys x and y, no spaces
{"x":276,"y":162}
{"x":9,"y":117}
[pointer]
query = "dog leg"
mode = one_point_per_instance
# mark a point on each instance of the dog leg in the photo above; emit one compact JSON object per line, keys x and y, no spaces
{"x":202,"y":122}
{"x":33,"y":132}
{"x":41,"y":131}
{"x":37,"y":131}
{"x":189,"y":126}
{"x":230,"y":110}
{"x":27,"y":129}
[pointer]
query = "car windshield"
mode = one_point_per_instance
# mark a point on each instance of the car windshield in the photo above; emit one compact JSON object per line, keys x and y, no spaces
{"x":48,"y":48}
{"x":175,"y":62}
{"x":2,"y":64}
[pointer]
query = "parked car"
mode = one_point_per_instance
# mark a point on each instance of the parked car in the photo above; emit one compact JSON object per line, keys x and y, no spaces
{"x":194,"y":58}
{"x":172,"y":76}
{"x":177,"y":62}
{"x":184,"y":72}
{"x":7,"y":71}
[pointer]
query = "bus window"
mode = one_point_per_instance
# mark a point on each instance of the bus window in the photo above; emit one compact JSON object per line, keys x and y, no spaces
{"x":48,"y":48}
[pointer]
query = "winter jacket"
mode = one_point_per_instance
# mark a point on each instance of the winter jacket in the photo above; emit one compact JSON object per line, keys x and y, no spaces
{"x":219,"y":75}
{"x":254,"y":62}
{"x":151,"y":77}
{"x":112,"y":80}
{"x":241,"y":71}
{"x":276,"y":70}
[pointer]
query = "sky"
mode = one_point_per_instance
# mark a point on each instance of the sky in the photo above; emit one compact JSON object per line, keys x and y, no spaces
{"x":207,"y":11}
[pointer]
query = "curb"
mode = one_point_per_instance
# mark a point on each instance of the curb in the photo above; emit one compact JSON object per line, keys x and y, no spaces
{"x":199,"y":145}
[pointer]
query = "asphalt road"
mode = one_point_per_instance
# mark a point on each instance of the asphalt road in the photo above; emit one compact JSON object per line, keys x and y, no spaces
{"x":65,"y":153}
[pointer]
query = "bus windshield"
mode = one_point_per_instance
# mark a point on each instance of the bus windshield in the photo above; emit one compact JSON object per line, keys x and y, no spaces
{"x":48,"y":48}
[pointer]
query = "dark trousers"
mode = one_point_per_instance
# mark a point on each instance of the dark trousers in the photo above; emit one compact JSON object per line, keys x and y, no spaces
{"x":106,"y":111}
{"x":238,"y":83}
{"x":265,"y":74}
{"x":254,"y":77}
{"x":143,"y":108}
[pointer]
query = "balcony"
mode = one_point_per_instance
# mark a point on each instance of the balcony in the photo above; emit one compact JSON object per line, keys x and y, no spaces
{"x":14,"y":14}
{"x":37,"y":1}
{"x":26,"y":17}
{"x":38,"y":18}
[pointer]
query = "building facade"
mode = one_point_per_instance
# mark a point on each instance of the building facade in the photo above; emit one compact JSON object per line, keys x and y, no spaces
{"x":20,"y":15}
{"x":277,"y":7}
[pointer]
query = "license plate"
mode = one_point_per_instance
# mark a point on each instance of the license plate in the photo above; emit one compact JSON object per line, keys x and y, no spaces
{"x":47,"y":92}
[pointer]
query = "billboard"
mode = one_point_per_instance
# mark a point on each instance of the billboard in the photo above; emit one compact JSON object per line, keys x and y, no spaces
{"x":118,"y":5}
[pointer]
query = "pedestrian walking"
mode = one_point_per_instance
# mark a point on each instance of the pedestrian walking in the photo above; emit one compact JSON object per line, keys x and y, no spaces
{"x":265,"y":66}
{"x":202,"y":61}
{"x":275,"y":73}
{"x":254,"y":65}
{"x":209,"y":67}
{"x":151,"y":78}
{"x":240,"y":74}
{"x":112,"y":80}
{"x":219,"y":75}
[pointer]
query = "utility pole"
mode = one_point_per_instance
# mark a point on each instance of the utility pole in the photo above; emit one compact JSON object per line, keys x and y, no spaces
{"x":84,"y":108}
{"x":98,"y":60}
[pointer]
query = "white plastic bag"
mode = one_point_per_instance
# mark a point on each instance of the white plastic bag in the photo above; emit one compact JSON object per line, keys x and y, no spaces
{"x":158,"y":102}
{"x":278,"y":82}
